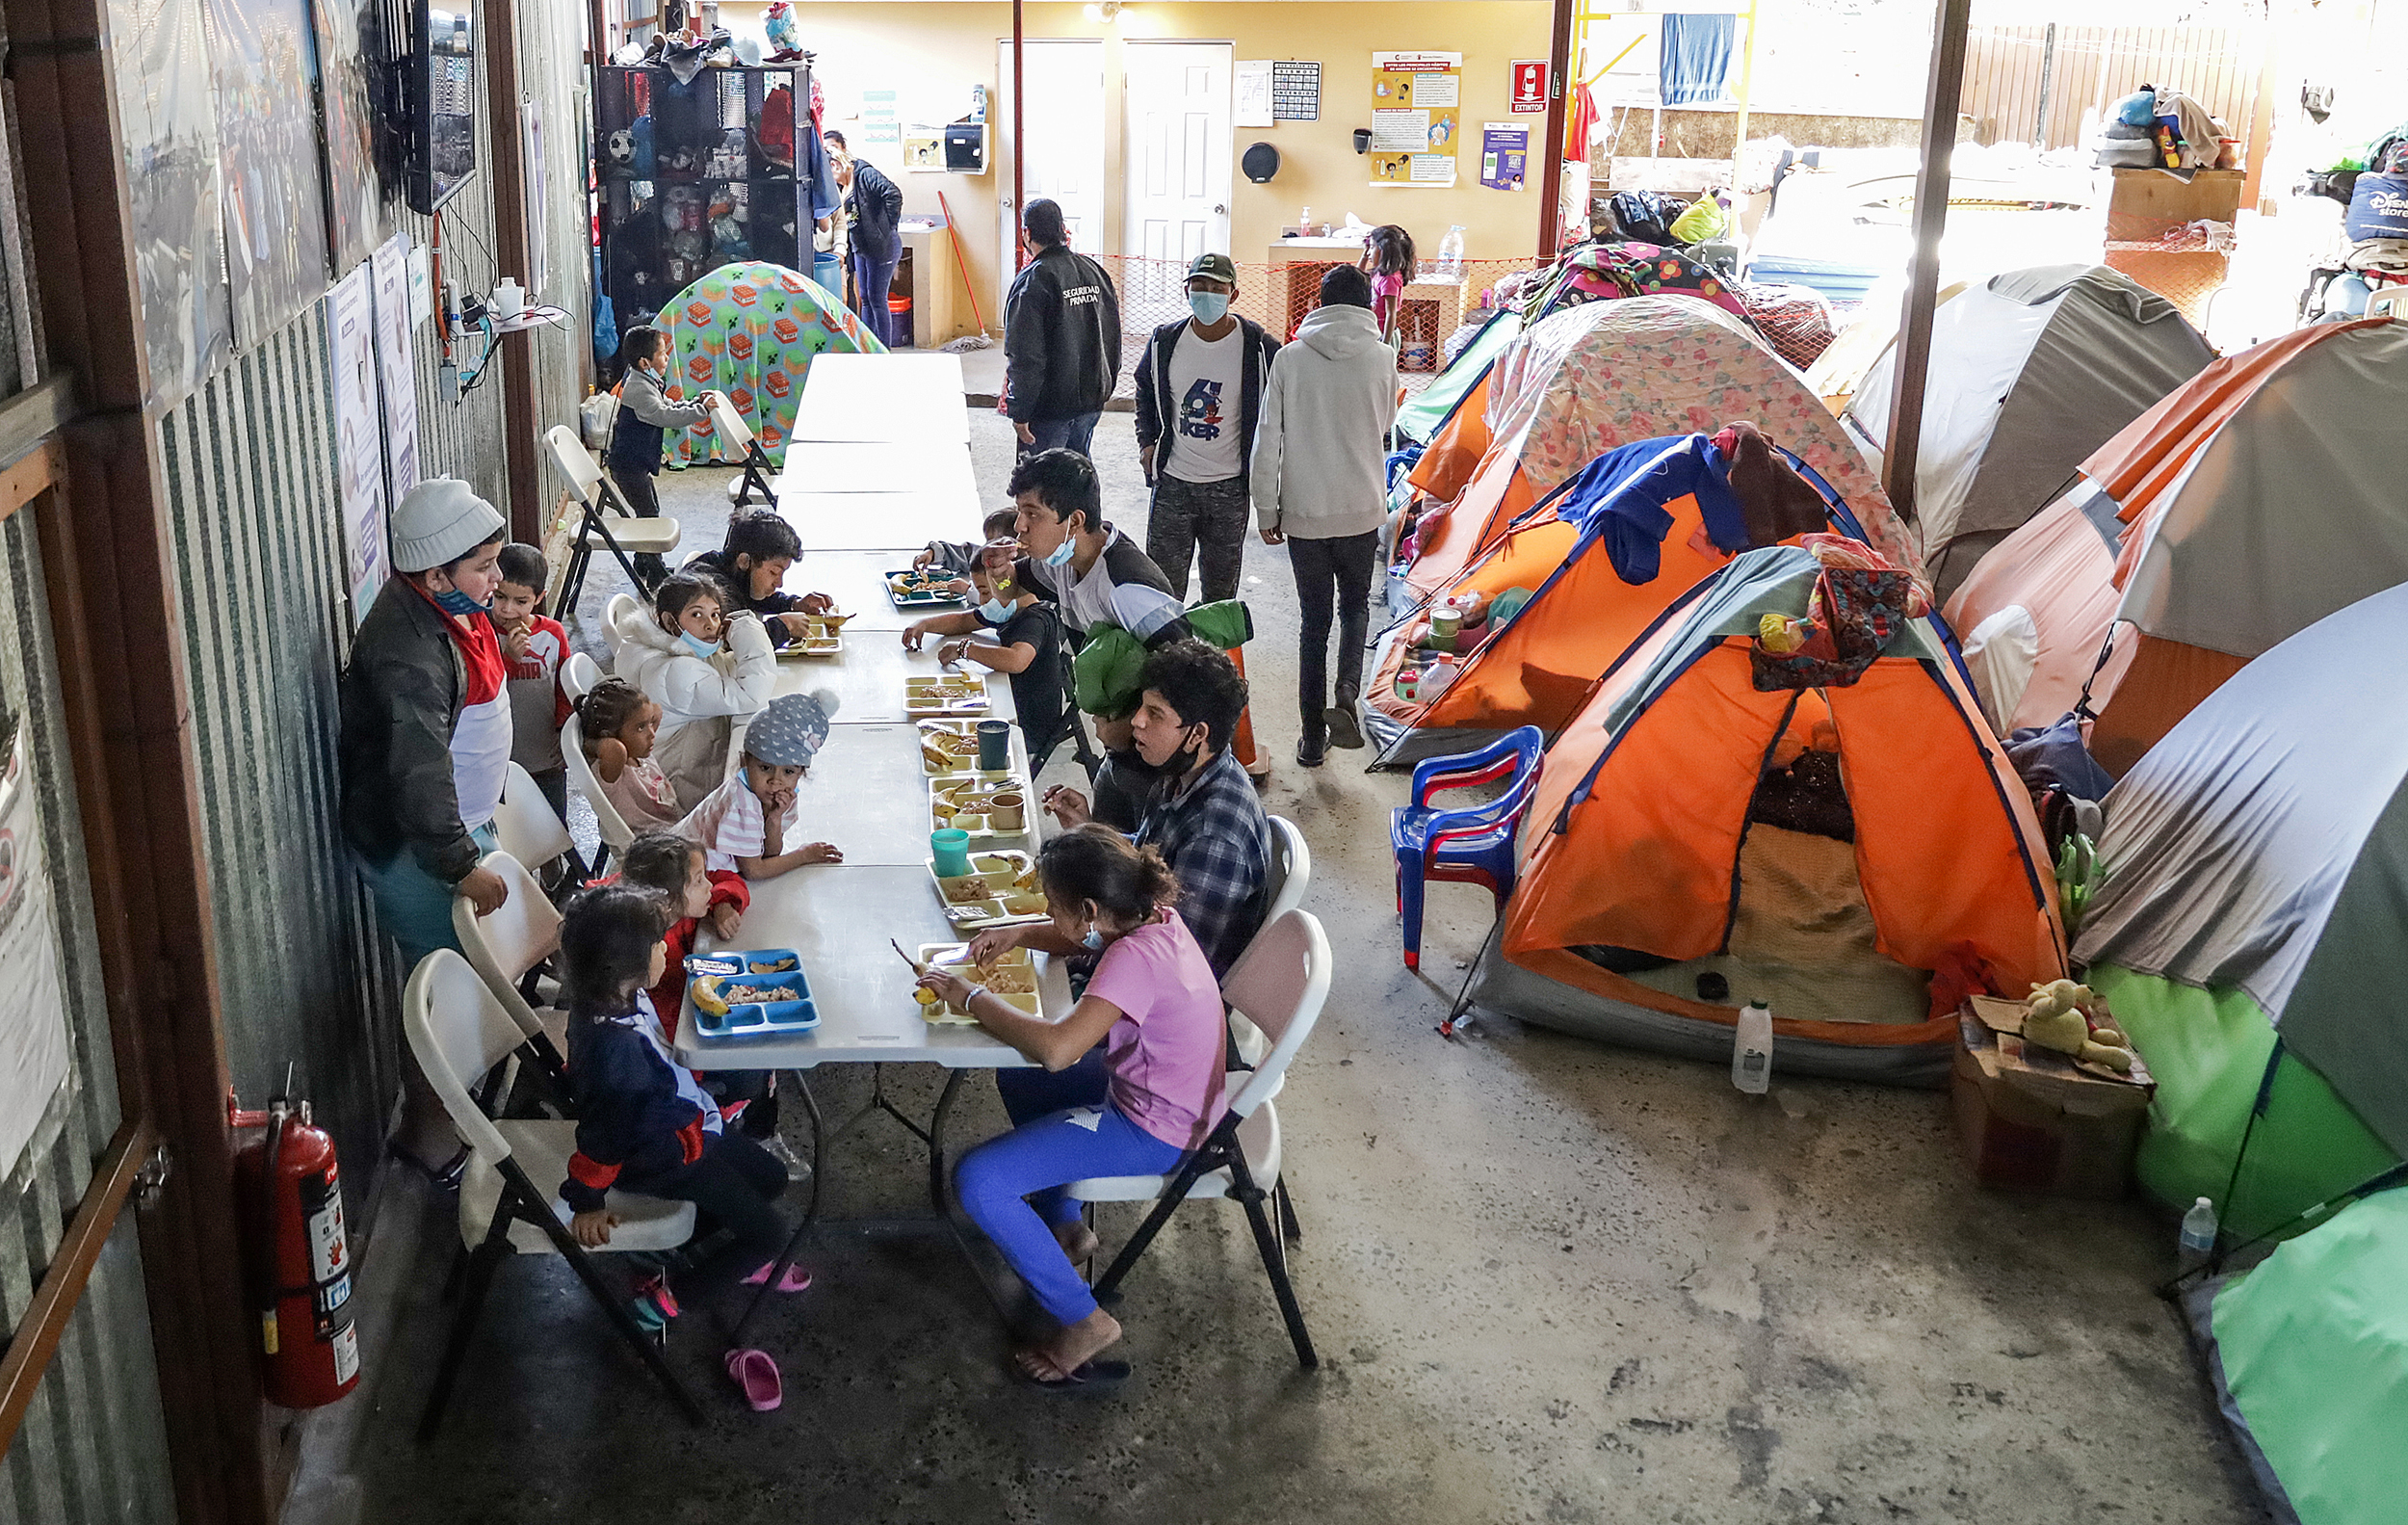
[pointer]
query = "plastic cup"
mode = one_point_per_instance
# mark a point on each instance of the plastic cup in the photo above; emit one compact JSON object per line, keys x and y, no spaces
{"x":994,"y":746}
{"x":1005,"y":812}
{"x":1445,"y":624}
{"x":951,"y":849}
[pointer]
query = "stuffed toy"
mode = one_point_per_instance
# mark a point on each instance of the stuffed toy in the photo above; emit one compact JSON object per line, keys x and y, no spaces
{"x":785,"y":36}
{"x":2060,"y":1019}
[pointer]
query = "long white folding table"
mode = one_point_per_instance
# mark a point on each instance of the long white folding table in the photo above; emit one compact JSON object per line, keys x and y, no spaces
{"x":886,"y":826}
{"x":910,"y":398}
{"x":878,"y":466}
{"x":857,"y":581}
{"x":902,"y":520}
{"x":866,"y":678}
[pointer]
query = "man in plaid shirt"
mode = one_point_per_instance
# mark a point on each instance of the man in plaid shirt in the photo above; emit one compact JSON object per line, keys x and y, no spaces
{"x":1203,"y":815}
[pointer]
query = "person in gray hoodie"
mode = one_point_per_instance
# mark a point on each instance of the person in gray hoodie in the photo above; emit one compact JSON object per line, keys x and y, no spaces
{"x":1317,"y":484}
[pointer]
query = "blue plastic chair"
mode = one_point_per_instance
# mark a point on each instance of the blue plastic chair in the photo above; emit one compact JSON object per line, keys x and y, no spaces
{"x":1471,"y":846}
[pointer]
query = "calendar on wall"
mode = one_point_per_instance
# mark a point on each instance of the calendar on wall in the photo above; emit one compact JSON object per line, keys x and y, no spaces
{"x":1295,"y":91}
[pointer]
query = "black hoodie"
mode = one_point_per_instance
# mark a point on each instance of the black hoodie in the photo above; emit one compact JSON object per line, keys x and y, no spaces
{"x":1062,"y":337}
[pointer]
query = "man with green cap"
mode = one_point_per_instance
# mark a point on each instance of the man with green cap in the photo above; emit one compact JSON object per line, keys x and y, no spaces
{"x":1199,"y":392}
{"x":425,"y":748}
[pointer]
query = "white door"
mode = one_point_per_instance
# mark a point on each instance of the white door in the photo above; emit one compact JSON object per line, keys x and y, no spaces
{"x":1177,"y":110}
{"x":1065,"y":152}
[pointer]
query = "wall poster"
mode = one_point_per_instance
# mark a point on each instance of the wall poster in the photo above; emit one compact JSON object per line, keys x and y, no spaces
{"x":1295,"y":90}
{"x":356,"y":206}
{"x":1530,"y":85}
{"x":266,"y":62}
{"x":1417,"y":117}
{"x":33,"y":1012}
{"x":170,"y":121}
{"x":396,"y":371}
{"x":359,"y":462}
{"x":1504,"y":151}
{"x":1250,"y":94}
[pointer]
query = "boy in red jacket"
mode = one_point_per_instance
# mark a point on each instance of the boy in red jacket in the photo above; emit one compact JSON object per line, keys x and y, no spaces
{"x":533,"y":646}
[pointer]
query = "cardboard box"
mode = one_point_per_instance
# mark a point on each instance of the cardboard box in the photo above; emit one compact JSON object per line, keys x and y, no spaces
{"x":2041,"y":1125}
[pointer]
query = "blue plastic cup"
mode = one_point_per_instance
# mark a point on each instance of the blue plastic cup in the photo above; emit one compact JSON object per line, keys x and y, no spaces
{"x":949,"y":847}
{"x":994,"y":746}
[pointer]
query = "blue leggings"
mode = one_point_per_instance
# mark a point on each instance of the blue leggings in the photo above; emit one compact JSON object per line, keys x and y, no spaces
{"x":1011,"y":1186}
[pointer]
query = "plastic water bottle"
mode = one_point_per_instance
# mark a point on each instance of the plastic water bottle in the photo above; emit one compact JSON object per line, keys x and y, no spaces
{"x":1450,"y":252}
{"x":2198,"y":1241}
{"x":1751,"y":1049}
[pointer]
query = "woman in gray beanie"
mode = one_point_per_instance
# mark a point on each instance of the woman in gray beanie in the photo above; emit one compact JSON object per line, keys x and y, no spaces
{"x":426,"y":745}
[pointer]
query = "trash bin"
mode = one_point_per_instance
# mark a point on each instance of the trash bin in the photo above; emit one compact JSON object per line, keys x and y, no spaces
{"x":899,"y":320}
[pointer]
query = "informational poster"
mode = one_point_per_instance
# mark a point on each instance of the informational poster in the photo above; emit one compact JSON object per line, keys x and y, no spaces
{"x":396,"y":370}
{"x":356,"y":206}
{"x":1417,"y":118}
{"x":1530,"y":85}
{"x":1251,"y":105}
{"x":421,"y":285}
{"x":359,"y":463}
{"x":1295,"y":90}
{"x":880,"y":117}
{"x":167,"y":115}
{"x":33,"y":1013}
{"x":1505,"y":150}
{"x":538,"y":201}
{"x":265,"y":61}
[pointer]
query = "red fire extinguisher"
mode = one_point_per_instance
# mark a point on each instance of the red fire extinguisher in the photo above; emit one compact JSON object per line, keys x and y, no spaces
{"x":299,"y":1262}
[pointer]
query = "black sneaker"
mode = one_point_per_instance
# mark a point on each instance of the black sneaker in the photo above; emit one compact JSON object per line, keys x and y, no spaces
{"x":1310,"y":752}
{"x":1346,"y":732}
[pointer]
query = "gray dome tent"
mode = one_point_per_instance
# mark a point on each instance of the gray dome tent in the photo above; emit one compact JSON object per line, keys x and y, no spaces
{"x":2030,"y":372}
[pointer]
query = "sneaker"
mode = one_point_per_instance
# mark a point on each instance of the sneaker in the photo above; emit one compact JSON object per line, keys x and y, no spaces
{"x":653,"y":1305}
{"x":798,"y":1169}
{"x":1345,"y":730}
{"x":1310,"y":752}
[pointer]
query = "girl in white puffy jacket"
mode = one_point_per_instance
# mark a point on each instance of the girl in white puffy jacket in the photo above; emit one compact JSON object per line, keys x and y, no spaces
{"x":703,"y":669}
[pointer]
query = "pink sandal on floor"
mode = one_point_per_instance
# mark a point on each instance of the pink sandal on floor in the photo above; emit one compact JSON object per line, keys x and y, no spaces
{"x":757,"y":1375}
{"x":796,"y":1279}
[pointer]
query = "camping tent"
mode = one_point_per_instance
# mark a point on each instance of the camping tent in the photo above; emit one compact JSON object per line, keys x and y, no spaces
{"x":2030,"y":372}
{"x":2030,"y":670}
{"x":2247,"y":933}
{"x":1597,"y":564}
{"x":1421,"y":415}
{"x":751,"y":331}
{"x":1650,"y":866}
{"x":1580,"y":382}
{"x":2257,"y":498}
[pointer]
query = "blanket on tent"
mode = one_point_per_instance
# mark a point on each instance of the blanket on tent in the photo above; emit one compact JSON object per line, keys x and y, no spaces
{"x":751,"y":331}
{"x":1607,"y":271}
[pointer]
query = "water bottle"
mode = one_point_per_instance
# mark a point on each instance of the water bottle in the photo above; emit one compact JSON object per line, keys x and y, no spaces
{"x":1450,"y":252}
{"x":2198,"y":1241}
{"x":1751,"y":1049}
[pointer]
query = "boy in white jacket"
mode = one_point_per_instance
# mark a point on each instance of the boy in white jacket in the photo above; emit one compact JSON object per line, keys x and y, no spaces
{"x":703,"y":669}
{"x":1319,"y":452}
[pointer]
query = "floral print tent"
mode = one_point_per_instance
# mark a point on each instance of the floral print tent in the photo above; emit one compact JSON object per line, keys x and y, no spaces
{"x":751,"y":331}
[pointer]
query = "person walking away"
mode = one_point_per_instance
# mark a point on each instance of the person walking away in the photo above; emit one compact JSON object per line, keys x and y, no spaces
{"x":1200,"y":393}
{"x":877,"y":241}
{"x":1316,"y":483}
{"x":645,"y":413}
{"x":1061,"y":338}
{"x":425,"y":748}
{"x":1388,"y":259}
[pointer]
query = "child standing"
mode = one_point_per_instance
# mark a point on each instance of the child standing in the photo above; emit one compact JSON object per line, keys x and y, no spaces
{"x":761,"y":548}
{"x":616,"y":726}
{"x":1388,"y":259}
{"x":747,"y":821}
{"x":703,"y":669}
{"x":1013,"y":632}
{"x":644,"y":414}
{"x":533,"y":646}
{"x":644,"y":1125}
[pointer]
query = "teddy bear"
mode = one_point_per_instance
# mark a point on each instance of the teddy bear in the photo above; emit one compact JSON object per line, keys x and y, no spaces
{"x":2059,"y":1019}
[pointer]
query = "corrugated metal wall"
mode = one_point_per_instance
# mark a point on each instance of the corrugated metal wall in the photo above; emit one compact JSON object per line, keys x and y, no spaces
{"x":2092,"y":67}
{"x":94,"y":1445}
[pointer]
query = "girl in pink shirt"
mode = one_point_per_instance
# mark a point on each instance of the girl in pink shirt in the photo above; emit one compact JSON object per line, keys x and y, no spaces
{"x":1132,"y":1107}
{"x":1388,"y":259}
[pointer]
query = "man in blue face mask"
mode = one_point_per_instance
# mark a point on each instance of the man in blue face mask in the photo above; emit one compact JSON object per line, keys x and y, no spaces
{"x":1199,"y":391}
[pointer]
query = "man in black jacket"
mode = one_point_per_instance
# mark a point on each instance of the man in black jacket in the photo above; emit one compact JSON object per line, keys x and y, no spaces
{"x":1061,"y":338}
{"x":876,"y":241}
{"x":1193,"y":441}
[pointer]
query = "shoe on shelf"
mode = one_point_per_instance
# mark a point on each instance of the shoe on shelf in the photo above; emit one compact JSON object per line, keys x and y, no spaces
{"x":1345,"y":731}
{"x":798,"y":1169}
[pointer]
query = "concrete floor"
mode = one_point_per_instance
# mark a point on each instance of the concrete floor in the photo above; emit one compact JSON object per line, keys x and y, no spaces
{"x":1550,"y":1281}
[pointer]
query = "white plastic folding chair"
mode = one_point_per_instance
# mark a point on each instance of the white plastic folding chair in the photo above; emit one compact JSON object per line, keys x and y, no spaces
{"x":1291,"y":876}
{"x":613,"y":827}
{"x":525,"y":824}
{"x":506,"y":948}
{"x":581,"y":672}
{"x":508,"y":1201}
{"x":737,"y":437}
{"x":607,"y":517}
{"x":616,"y":612}
{"x":1279,"y":984}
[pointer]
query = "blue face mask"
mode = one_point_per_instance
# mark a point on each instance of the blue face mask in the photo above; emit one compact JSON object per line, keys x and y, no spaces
{"x":1209,"y":306}
{"x":996,"y":609}
{"x":452,"y":601}
{"x":1060,"y":554}
{"x":1092,"y":940}
{"x":705,"y":650}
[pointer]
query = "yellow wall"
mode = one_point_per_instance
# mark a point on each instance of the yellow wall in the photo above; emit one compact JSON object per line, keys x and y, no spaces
{"x":931,"y":53}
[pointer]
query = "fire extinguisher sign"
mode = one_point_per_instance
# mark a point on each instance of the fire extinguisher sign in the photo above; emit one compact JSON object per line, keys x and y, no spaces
{"x":1530,"y":85}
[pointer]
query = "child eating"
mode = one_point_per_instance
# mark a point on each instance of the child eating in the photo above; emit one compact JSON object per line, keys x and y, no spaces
{"x":1013,"y":632}
{"x":957,"y":557}
{"x":747,"y":821}
{"x":752,"y":566}
{"x":533,"y":646}
{"x":617,"y":726}
{"x":644,"y":1125}
{"x":703,"y":669}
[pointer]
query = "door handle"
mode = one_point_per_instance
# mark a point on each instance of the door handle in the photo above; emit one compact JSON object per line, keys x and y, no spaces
{"x":1220,"y":211}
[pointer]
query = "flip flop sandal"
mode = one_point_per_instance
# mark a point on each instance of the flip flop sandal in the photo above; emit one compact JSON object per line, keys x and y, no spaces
{"x":796,"y":1279}
{"x":756,"y":1374}
{"x":1093,"y":1379}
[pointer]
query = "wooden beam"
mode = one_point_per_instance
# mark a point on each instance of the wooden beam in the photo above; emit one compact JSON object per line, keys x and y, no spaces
{"x":510,"y":213}
{"x":32,"y":417}
{"x":1558,"y":100}
{"x":31,"y":476}
{"x":44,"y":1320}
{"x":1940,"y":93}
{"x":109,"y":566}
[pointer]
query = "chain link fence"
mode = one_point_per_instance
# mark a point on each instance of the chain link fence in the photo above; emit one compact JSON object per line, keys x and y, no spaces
{"x":1278,"y":295}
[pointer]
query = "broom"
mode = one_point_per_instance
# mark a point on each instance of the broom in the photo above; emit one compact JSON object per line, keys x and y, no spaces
{"x":971,"y":341}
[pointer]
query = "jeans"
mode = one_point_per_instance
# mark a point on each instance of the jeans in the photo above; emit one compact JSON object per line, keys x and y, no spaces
{"x":414,"y":908}
{"x":1062,"y":433}
{"x":1207,"y":519}
{"x":870,"y":279}
{"x":1066,"y":1131}
{"x":636,"y":486}
{"x":1335,"y":570}
{"x":736,"y":1186}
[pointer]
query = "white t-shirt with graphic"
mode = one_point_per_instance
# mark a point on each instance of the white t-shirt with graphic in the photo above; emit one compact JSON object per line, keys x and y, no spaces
{"x":1205,"y":395}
